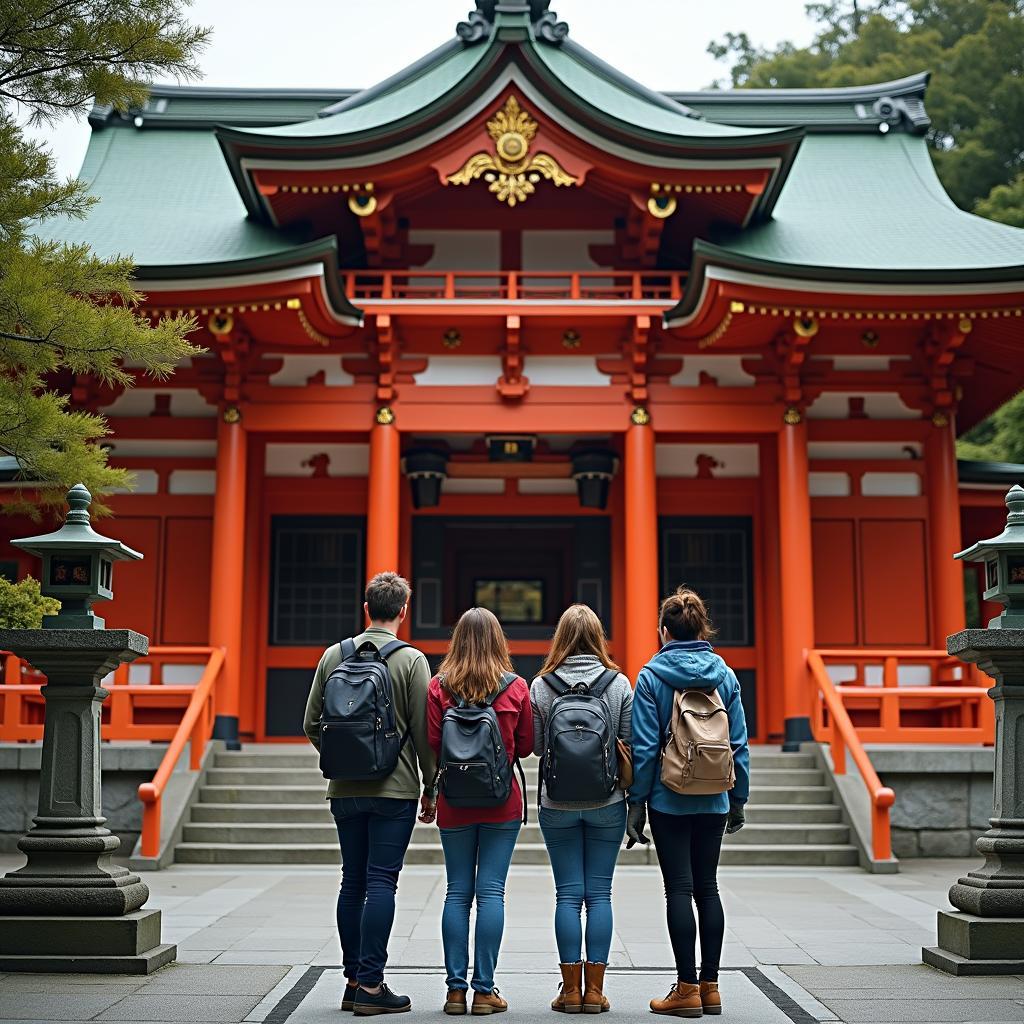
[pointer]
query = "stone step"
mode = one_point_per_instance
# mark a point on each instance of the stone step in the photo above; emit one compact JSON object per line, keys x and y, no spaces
{"x":288,"y":758}
{"x":790,"y":794}
{"x":797,"y":814}
{"x":317,"y":833}
{"x":265,"y":776}
{"x":263,"y":795}
{"x":795,"y":777}
{"x":823,"y":855}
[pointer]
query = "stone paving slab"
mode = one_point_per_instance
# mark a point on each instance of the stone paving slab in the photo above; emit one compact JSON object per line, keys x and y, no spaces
{"x":141,"y":1007}
{"x":529,"y":996}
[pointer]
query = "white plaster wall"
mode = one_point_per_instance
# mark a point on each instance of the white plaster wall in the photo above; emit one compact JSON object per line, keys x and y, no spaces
{"x":146,"y":481}
{"x":296,"y":370}
{"x":162,"y":449}
{"x":140,"y":402}
{"x":564,"y":371}
{"x":460,"y":250}
{"x":459,"y":370}
{"x":890,"y":485}
{"x":285,"y":460}
{"x":547,"y":486}
{"x":727,"y":370}
{"x":680,"y":460}
{"x":562,"y":250}
{"x":895,"y":450}
{"x":829,"y":485}
{"x":835,"y":405}
{"x":468,"y":485}
{"x":192,"y":481}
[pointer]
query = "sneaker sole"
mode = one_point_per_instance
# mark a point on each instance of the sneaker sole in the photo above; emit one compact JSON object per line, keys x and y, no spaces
{"x":376,"y":1011}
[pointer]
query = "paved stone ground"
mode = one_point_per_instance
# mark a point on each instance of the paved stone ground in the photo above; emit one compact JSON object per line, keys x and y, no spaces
{"x":259,"y":945}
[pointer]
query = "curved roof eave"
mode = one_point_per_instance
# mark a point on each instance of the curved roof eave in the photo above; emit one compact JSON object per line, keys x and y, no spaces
{"x":911,"y":85}
{"x":322,"y":250}
{"x":707,"y":255}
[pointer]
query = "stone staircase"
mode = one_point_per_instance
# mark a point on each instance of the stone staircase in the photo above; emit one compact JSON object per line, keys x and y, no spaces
{"x":265,"y":805}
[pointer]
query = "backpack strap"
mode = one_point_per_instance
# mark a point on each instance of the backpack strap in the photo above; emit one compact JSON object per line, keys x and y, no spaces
{"x":559,"y":685}
{"x":507,"y":679}
{"x":603,"y":681}
{"x":391,"y":647}
{"x":348,"y":649}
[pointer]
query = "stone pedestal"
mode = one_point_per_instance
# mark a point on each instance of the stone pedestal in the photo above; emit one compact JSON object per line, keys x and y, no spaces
{"x":69,"y":904}
{"x":986,"y":933}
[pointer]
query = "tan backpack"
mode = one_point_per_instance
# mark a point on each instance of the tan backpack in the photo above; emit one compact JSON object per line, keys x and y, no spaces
{"x":697,"y":759}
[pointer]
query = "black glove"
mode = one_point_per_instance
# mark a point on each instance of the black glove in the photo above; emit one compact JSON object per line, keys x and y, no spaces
{"x":736,"y":819}
{"x":636,"y":820}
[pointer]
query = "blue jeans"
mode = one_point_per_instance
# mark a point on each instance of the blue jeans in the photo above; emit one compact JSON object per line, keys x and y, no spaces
{"x":583,"y":847}
{"x":374,"y":833}
{"x":476,"y":859}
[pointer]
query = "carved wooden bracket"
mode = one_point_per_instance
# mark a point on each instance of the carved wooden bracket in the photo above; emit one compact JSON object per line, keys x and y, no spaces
{"x":943,"y":368}
{"x":512,"y":384}
{"x":639,"y":356}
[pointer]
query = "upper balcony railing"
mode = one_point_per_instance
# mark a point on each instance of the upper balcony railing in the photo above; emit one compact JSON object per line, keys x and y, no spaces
{"x":552,"y":286}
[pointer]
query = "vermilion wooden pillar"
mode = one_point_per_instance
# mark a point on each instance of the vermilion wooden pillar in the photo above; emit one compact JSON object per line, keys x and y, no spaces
{"x":944,"y":534}
{"x":641,"y":585}
{"x":383,"y":510}
{"x":227,"y":570}
{"x":796,"y":581}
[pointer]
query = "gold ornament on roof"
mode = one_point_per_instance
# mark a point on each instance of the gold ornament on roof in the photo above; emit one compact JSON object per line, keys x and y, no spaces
{"x":511,"y":172}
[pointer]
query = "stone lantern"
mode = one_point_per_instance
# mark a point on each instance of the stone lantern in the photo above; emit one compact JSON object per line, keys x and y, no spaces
{"x":69,"y":908}
{"x":985,"y":934}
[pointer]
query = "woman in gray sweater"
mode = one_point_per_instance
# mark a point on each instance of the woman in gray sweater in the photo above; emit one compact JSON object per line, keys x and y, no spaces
{"x":582,"y":839}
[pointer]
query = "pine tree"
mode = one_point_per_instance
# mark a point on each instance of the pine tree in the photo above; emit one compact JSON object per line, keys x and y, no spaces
{"x":63,"y":310}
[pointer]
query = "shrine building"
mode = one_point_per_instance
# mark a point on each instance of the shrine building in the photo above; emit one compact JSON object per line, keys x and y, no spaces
{"x":532,"y":333}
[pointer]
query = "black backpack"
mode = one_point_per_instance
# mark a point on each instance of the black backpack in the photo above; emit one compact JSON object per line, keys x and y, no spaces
{"x":359,"y":739}
{"x":580,"y":758}
{"x":474,"y":769}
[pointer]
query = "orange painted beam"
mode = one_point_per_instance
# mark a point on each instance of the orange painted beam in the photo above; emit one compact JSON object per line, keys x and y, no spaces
{"x":641,"y":548}
{"x":227,"y":571}
{"x":948,"y":613}
{"x":384,"y":500}
{"x":796,"y":580}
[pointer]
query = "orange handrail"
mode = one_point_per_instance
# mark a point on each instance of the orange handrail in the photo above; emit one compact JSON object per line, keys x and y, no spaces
{"x":196,"y":726}
{"x":844,"y":737}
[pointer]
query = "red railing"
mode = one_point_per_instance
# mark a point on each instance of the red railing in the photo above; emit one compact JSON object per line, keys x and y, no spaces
{"x":515,"y":285}
{"x":195,"y":728}
{"x":875,"y":708}
{"x":842,"y":737}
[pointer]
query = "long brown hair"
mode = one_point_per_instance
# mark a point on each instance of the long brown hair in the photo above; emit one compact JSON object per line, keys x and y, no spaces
{"x":579,"y":631}
{"x":477,"y":657}
{"x":685,"y":616}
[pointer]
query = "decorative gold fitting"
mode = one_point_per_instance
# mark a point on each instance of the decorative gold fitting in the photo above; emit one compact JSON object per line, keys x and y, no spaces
{"x":571,"y":340}
{"x":737,"y":307}
{"x":965,"y":326}
{"x":940,"y":420}
{"x":232,"y":414}
{"x":662,"y":206}
{"x":220,"y":324}
{"x":294,"y":303}
{"x":640,"y":417}
{"x":805,"y":327}
{"x":793,"y":416}
{"x":363,"y":205}
{"x":385,"y":416}
{"x":451,"y":339}
{"x":870,"y":339}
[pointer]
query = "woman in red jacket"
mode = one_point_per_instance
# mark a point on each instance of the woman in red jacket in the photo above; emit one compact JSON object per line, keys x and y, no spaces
{"x":478,"y":841}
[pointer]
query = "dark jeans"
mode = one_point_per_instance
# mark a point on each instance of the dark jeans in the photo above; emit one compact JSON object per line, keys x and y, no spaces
{"x":688,"y":848}
{"x":374,"y":834}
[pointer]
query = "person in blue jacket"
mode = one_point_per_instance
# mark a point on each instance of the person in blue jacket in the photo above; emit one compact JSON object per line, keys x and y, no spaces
{"x":688,"y":830}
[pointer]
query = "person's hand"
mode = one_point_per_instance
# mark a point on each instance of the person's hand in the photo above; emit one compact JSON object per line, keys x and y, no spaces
{"x":636,"y":820}
{"x":428,"y":808}
{"x":736,"y":820}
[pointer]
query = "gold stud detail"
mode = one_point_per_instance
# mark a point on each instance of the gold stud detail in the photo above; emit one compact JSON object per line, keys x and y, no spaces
{"x":220,"y":324}
{"x":640,"y":417}
{"x":232,"y":414}
{"x":452,"y":338}
{"x":571,"y":340}
{"x":805,"y":327}
{"x":385,"y":416}
{"x":940,"y":419}
{"x":792,"y":416}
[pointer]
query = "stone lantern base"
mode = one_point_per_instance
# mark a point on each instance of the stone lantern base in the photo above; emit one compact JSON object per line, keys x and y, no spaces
{"x":972,"y":945}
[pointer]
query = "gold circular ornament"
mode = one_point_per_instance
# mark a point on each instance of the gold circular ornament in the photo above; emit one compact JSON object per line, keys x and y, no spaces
{"x":571,"y":340}
{"x":940,"y":419}
{"x":512,"y":147}
{"x":965,"y":325}
{"x":385,"y":416}
{"x":662,"y":206}
{"x":452,"y":338}
{"x":870,"y":339}
{"x":220,"y":324}
{"x":805,"y":327}
{"x":793,"y":416}
{"x":640,"y":417}
{"x":362,"y":205}
{"x":232,"y":414}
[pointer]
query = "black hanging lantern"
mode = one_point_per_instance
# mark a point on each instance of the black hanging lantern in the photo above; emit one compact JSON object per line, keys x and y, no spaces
{"x":593,"y":469}
{"x":427,"y":469}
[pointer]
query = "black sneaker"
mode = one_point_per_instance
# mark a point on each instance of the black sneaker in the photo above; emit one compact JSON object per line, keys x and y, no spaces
{"x":385,"y":1001}
{"x":349,"y":999}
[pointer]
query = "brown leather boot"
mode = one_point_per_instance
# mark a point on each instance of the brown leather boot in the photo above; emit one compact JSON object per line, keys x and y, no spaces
{"x":710,"y":997}
{"x":488,"y":1002}
{"x":455,"y":1002}
{"x":594,"y":1000}
{"x":683,"y":1000}
{"x":570,"y":992}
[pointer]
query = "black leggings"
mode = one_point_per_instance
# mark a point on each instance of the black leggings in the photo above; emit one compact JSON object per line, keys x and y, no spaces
{"x":688,"y":847}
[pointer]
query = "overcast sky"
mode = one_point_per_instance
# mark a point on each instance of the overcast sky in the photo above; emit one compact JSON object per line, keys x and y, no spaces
{"x":356,"y":43}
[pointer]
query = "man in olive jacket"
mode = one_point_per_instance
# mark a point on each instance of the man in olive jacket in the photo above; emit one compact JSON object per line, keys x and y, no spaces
{"x":375,"y":819}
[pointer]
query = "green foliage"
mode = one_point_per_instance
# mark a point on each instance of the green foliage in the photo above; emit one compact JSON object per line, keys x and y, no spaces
{"x":22,"y":606}
{"x":63,"y":310}
{"x":975,"y":50}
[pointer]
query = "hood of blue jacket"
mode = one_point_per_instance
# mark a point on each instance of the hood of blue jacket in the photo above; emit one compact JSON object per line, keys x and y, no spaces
{"x":688,"y":665}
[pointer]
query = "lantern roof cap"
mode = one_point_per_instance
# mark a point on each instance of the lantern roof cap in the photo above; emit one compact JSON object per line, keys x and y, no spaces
{"x":1011,"y":539}
{"x":77,"y":534}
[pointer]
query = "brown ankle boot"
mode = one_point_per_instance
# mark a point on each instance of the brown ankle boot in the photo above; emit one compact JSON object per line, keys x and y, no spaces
{"x":682,"y":1001}
{"x":710,"y":997}
{"x":594,"y":1000}
{"x":455,"y":1002}
{"x":485,"y":1003}
{"x":570,"y":992}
